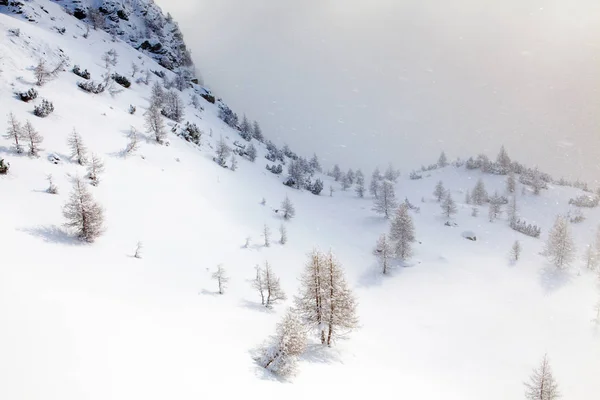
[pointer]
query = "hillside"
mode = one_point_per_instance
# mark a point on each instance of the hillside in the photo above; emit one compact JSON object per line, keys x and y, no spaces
{"x":90,"y":321}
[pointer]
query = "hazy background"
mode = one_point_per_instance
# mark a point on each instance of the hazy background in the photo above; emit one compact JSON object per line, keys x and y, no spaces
{"x":367,"y":82}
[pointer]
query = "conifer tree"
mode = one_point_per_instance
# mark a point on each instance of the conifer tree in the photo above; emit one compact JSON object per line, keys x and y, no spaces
{"x":78,"y":150}
{"x":273,"y":290}
{"x":391,"y":174}
{"x":346,"y":182}
{"x":336,"y":173}
{"x":288,"y":209}
{"x":439,"y":191}
{"x":360,"y":184}
{"x":515,"y":251}
{"x":442,"y":160}
{"x":495,"y":208}
{"x":246,"y":129}
{"x":383,"y":251}
{"x":52,"y":189}
{"x":259,"y":284}
{"x":281,"y":353}
{"x":448,"y":205}
{"x":311,"y":301}
{"x":479,"y":195}
{"x":402,"y":233}
{"x":542,"y":385}
{"x":14,"y":132}
{"x":33,"y":139}
{"x":385,"y":202}
{"x":314,"y":163}
{"x":375,"y":183}
{"x":222,"y":151}
{"x":560,"y":248}
{"x":133,"y":144}
{"x":511,"y":182}
{"x":234,"y":162}
{"x":283,"y":234}
{"x":84,"y":215}
{"x":95,"y":168}
{"x":513,"y":211}
{"x":257,"y":132}
{"x":504,"y":160}
{"x":155,"y":125}
{"x":590,"y":259}
{"x":221,"y":277}
{"x":267,"y":235}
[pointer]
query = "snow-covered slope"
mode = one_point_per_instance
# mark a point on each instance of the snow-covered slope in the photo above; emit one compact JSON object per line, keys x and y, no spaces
{"x":92,"y":322}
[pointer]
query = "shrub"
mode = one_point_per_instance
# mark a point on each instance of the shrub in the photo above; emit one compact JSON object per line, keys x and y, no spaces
{"x":525,"y":228}
{"x":132,"y":109}
{"x":276,"y":169}
{"x":44,"y":109}
{"x":121,"y":80}
{"x":317,"y":187}
{"x":585,"y":201}
{"x":29,"y":95}
{"x":191,"y":133}
{"x":92,"y":87}
{"x":4,"y":166}
{"x":414,"y":175}
{"x":84,"y":74}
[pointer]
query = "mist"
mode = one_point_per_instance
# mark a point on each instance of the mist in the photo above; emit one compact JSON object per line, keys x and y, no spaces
{"x":364,"y":83}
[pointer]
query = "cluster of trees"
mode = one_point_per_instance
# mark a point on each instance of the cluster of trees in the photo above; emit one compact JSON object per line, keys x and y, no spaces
{"x":324,"y":305}
{"x":587,"y":201}
{"x":398,"y":243}
{"x":21,"y":135}
{"x":247,"y":130}
{"x":301,"y":172}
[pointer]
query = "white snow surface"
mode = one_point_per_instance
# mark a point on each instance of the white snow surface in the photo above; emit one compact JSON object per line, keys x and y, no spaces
{"x":92,"y":322}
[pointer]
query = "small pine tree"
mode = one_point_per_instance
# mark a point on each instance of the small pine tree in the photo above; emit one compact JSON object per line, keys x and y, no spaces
{"x":52,"y":189}
{"x":14,"y":132}
{"x":288,"y":209}
{"x":542,"y":385}
{"x":78,"y":150}
{"x":375,"y":183}
{"x":495,"y":208}
{"x":560,"y":248}
{"x":222,"y":151}
{"x":383,"y":251}
{"x":273,"y":290}
{"x":504,"y":160}
{"x":283,"y":234}
{"x":267,"y":235}
{"x":234,"y":162}
{"x":513,"y":211}
{"x":280,"y":354}
{"x":33,"y":138}
{"x":479,"y":194}
{"x":439,"y":191}
{"x":83,"y":214}
{"x":251,"y":152}
{"x":221,"y":277}
{"x":402,"y":233}
{"x":95,"y":168}
{"x":515,"y":251}
{"x":474,"y":211}
{"x":133,"y":144}
{"x":590,"y":257}
{"x":442,"y":160}
{"x":385,"y":202}
{"x":511,"y":182}
{"x":257,"y":132}
{"x":448,"y":206}
{"x":155,"y":125}
{"x":336,"y":173}
{"x":360,"y":184}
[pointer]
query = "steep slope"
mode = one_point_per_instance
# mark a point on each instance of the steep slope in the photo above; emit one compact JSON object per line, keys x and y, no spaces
{"x":92,"y":322}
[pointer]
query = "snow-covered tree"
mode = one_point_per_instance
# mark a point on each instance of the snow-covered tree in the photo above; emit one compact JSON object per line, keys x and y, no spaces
{"x":503,"y":160}
{"x":439,"y":191}
{"x":340,"y":304}
{"x":257,"y":132}
{"x":273,"y":290}
{"x":78,"y":150}
{"x":468,"y":197}
{"x":251,"y":152}
{"x":267,"y":235}
{"x":221,"y":277}
{"x":383,"y":251}
{"x":52,"y":189}
{"x":311,"y":300}
{"x":315,"y":164}
{"x":33,"y":139}
{"x":351,"y":176}
{"x":134,"y":69}
{"x":138,"y":250}
{"x":259,"y":284}
{"x":442,"y":160}
{"x":375,"y":183}
{"x":385,"y":202}
{"x":536,"y":182}
{"x":157,"y":95}
{"x":282,"y":234}
{"x":560,"y":248}
{"x":155,"y":125}
{"x":222,"y":151}
{"x":513,"y":211}
{"x":84,"y":215}
{"x":173,"y":107}
{"x":448,"y":205}
{"x":402,"y":233}
{"x":479,"y":195}
{"x":288,"y":209}
{"x":495,"y":208}
{"x":110,"y":58}
{"x":234,"y":162}
{"x":542,"y":385}
{"x":336,"y":172}
{"x":515,"y":251}
{"x":391,"y":174}
{"x":474,"y":211}
{"x":246,"y":128}
{"x":590,"y":257}
{"x":133,"y":144}
{"x":511,"y":182}
{"x":95,"y":168}
{"x":14,"y":132}
{"x":360,"y":184}
{"x":346,"y":182}
{"x":280,"y":354}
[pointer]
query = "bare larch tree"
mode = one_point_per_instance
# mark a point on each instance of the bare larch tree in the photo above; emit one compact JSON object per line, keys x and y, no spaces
{"x":385,"y":202}
{"x":402,"y":233}
{"x":272,"y":286}
{"x":95,"y":168}
{"x":221,"y":277}
{"x":33,"y":139}
{"x":84,"y":215}
{"x":14,"y":132}
{"x":78,"y":150}
{"x":288,"y":209}
{"x":155,"y":125}
{"x":542,"y":385}
{"x":384,"y":252}
{"x":560,"y":248}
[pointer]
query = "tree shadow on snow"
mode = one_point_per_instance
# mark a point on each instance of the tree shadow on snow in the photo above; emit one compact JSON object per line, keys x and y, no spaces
{"x":256,"y":306}
{"x":11,"y":151}
{"x":53,"y":234}
{"x":374,"y":275}
{"x":209,"y":292}
{"x":317,"y":352}
{"x":553,"y":279}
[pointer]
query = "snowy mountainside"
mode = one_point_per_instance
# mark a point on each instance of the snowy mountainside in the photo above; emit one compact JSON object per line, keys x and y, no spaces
{"x":92,"y":322}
